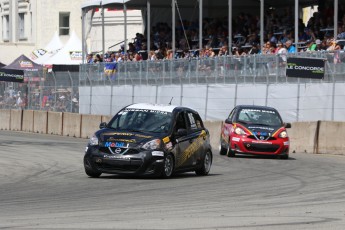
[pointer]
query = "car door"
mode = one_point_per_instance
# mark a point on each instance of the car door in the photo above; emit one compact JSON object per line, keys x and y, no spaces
{"x":184,"y":139}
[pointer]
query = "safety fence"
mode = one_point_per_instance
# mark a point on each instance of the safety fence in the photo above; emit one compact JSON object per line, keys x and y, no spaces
{"x":266,"y":69}
{"x":210,"y":82}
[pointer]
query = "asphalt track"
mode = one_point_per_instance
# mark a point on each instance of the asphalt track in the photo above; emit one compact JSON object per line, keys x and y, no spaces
{"x":43,"y":186}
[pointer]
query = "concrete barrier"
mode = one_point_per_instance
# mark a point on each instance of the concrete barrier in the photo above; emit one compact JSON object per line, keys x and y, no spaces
{"x":54,"y":123}
{"x":40,"y":121}
{"x":5,"y":119}
{"x":302,"y":137}
{"x":331,"y":138}
{"x":106,"y":118}
{"x":16,"y":119}
{"x":28,"y":121}
{"x":214,"y":129}
{"x":71,"y":124}
{"x":89,"y":124}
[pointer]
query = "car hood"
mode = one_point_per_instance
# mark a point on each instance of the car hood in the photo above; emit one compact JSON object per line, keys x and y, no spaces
{"x":262,"y":130}
{"x":124,"y":138}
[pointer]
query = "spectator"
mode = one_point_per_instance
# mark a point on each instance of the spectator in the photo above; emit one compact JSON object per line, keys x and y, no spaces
{"x":290,"y":48}
{"x":89,"y":59}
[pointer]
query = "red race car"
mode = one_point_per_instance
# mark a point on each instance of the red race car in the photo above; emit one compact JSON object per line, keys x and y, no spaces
{"x":254,"y":130}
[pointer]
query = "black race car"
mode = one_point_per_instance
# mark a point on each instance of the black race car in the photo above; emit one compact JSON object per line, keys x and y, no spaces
{"x":150,"y":139}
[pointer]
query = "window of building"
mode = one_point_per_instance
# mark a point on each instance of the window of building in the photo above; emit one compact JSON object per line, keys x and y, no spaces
{"x":21,"y":26}
{"x":6,"y":27}
{"x":64,"y":23}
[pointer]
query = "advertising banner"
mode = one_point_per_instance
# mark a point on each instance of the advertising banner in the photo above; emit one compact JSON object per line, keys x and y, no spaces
{"x":11,"y":75}
{"x":305,"y":68}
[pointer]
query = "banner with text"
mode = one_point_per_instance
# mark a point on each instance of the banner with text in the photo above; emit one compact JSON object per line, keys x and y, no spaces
{"x":12,"y":75}
{"x":305,"y":68}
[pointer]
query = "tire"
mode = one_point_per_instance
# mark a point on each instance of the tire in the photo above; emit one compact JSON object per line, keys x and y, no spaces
{"x":206,"y":165}
{"x":222,"y":150}
{"x":229,"y":152}
{"x":88,"y":169}
{"x":92,"y":173}
{"x":168,"y":168}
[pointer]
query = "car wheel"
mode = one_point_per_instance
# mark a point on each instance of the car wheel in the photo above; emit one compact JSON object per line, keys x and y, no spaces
{"x":229,"y":152}
{"x":88,"y":169}
{"x":206,"y":165}
{"x":222,"y":150}
{"x":168,"y":166}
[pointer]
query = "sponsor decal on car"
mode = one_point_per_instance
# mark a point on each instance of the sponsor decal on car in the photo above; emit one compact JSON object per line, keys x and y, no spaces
{"x":262,"y":142}
{"x":158,"y":153}
{"x":286,"y":142}
{"x":166,"y":139}
{"x":193,"y":148}
{"x":116,"y":157}
{"x":168,"y":145}
{"x":116,"y":144}
{"x":236,"y":139}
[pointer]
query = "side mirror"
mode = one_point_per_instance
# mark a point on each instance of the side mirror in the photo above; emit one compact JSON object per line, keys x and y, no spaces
{"x":228,"y":121}
{"x":103,"y":125}
{"x":287,"y":125}
{"x":181,"y":132}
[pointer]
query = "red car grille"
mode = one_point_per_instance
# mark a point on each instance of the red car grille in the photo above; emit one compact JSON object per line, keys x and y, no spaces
{"x":254,"y":147}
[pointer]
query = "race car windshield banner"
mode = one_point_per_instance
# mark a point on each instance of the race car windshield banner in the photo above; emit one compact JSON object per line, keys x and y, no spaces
{"x":12,"y":75}
{"x":305,"y":68}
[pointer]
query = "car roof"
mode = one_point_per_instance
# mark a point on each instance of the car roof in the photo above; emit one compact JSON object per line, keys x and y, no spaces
{"x":149,"y":106}
{"x":254,"y":107}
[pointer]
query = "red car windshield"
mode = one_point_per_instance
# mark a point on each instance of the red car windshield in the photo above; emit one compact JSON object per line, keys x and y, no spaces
{"x":259,"y":117}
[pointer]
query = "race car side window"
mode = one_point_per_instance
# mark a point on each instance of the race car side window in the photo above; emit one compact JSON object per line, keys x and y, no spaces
{"x":194,"y":121}
{"x":180,"y":122}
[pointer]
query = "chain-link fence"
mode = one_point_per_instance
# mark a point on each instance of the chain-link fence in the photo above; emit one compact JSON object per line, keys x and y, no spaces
{"x":52,"y":91}
{"x":59,"y":91}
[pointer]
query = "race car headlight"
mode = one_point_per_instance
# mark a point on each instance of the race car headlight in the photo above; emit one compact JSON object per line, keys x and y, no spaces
{"x":93,"y":140}
{"x":152,"y":145}
{"x":239,"y":131}
{"x":283,"y":134}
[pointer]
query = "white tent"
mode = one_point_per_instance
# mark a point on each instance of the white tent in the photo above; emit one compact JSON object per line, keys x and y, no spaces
{"x":70,"y":54}
{"x":41,"y":55}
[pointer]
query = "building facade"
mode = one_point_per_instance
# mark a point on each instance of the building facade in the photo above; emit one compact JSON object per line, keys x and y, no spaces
{"x":28,"y":25}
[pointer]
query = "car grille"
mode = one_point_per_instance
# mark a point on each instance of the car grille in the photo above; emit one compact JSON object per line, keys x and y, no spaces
{"x":260,"y":147}
{"x":266,"y":138}
{"x":118,"y":165}
{"x":124,"y":151}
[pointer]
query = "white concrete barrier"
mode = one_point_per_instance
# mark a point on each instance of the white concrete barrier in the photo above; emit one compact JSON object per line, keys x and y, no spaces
{"x":106,"y":118}
{"x":331,"y":138}
{"x":54,"y":123}
{"x":89,"y":124}
{"x":40,"y":121}
{"x":16,"y":119}
{"x":214,"y":128}
{"x":5,"y":119}
{"x":28,"y":121}
{"x":302,"y":137}
{"x":71,"y":124}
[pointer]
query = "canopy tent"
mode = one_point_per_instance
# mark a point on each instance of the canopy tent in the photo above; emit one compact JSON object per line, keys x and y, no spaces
{"x":70,"y":54}
{"x":51,"y":48}
{"x":24,"y":63}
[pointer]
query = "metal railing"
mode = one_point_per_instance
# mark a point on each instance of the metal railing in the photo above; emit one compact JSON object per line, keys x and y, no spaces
{"x":266,"y":69}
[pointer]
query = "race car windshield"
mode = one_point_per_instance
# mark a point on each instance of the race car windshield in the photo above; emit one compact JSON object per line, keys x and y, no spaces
{"x":142,"y":120}
{"x":259,"y":117}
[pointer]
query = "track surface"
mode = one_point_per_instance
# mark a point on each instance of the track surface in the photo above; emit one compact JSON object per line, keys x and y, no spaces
{"x":43,"y":186}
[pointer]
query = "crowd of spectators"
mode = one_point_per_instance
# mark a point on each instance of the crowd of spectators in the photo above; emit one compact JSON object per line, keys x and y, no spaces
{"x":315,"y":35}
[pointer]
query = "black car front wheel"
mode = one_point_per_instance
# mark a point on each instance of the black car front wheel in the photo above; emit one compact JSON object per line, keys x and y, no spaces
{"x":206,"y":165}
{"x":88,"y":169}
{"x":168,"y":166}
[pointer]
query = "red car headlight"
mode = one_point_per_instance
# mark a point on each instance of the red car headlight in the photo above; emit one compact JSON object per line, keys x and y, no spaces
{"x":283,"y":134}
{"x":239,"y":131}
